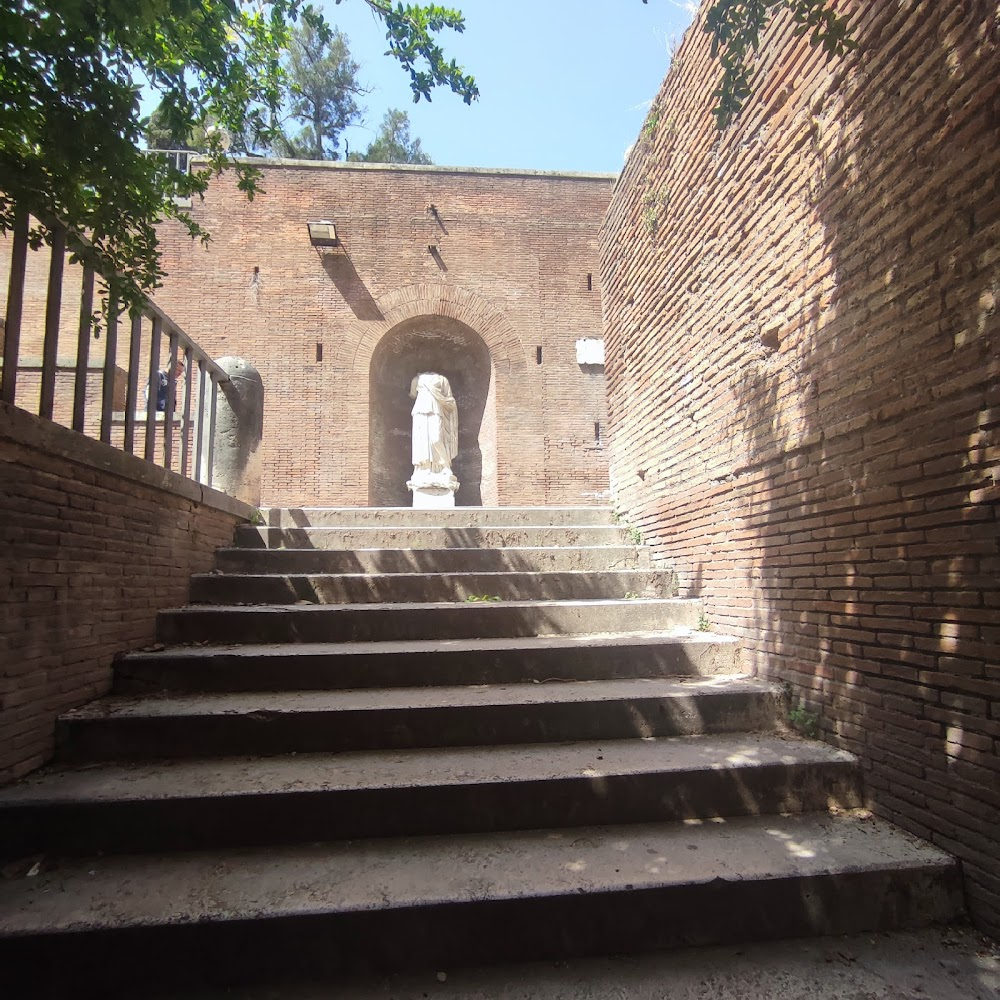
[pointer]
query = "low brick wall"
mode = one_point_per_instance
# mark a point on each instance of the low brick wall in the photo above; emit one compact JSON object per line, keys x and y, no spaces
{"x":802,"y":330}
{"x":94,"y":542}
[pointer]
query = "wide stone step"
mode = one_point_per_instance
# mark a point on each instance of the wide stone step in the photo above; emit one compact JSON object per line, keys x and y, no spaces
{"x":384,"y":622}
{"x":316,"y":666}
{"x":250,"y":536}
{"x":403,"y":718}
{"x":189,"y":804}
{"x":578,"y":557}
{"x":458,"y":517}
{"x":435,"y":903}
{"x":402,"y":588}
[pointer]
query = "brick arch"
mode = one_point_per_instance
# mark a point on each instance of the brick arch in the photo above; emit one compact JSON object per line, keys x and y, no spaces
{"x":430,"y":299}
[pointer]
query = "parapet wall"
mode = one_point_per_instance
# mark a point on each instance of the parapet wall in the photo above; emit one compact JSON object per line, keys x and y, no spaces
{"x":95,"y":542}
{"x":804,"y":406}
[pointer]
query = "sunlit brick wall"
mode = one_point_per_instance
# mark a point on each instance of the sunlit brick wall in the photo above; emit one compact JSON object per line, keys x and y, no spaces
{"x":804,"y":405}
{"x":515,"y":261}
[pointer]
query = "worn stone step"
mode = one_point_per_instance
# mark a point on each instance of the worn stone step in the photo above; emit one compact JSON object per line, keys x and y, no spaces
{"x":381,"y":622}
{"x":577,"y":557}
{"x":458,"y":517}
{"x":276,"y":722}
{"x":433,"y":903}
{"x":215,"y":802}
{"x":254,"y":537}
{"x":401,"y":588}
{"x":326,"y":666}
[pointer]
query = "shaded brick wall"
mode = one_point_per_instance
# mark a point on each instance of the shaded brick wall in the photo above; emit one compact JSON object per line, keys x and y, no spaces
{"x":88,"y":557}
{"x":804,"y":405}
{"x":513,"y":255}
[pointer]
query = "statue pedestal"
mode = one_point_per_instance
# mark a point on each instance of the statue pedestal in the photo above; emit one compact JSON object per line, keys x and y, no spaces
{"x":432,"y":497}
{"x":432,"y":490}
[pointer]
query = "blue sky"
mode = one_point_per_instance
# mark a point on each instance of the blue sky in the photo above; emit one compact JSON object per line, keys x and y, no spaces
{"x":565,"y":84}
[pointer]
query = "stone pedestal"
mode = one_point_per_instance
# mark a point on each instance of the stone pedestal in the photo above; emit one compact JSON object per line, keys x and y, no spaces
{"x":432,"y":490}
{"x":239,"y":422}
{"x":432,"y":497}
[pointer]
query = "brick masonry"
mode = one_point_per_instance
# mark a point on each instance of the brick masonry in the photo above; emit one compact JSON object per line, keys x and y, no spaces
{"x":515,"y":267}
{"x":804,"y":406}
{"x":89,"y":555}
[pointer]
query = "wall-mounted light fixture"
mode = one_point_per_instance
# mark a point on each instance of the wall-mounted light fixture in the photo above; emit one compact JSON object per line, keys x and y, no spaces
{"x":322,"y":233}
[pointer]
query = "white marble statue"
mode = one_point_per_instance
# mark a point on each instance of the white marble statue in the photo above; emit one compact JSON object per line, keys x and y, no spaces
{"x":435,"y":441}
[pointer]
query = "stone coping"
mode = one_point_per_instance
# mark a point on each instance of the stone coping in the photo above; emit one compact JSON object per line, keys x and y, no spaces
{"x":416,"y":168}
{"x":33,"y":432}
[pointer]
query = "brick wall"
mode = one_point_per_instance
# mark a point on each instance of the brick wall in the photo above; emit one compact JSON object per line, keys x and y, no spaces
{"x":804,"y":404}
{"x":94,"y":542}
{"x":515,"y":268}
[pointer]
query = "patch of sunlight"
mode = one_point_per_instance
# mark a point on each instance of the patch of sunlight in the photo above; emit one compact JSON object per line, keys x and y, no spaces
{"x":575,"y":866}
{"x":744,"y":757}
{"x":799,"y":850}
{"x":653,"y":869}
{"x":796,"y":849}
{"x":693,"y":822}
{"x":590,"y":772}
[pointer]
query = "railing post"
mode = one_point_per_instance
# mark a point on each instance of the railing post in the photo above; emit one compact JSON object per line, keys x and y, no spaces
{"x":237,"y":430}
{"x":53,"y":311}
{"x":132,"y":389}
{"x":200,"y":474}
{"x":15,"y":303}
{"x":186,"y":418}
{"x":170,"y":405}
{"x":110,"y":363}
{"x":83,"y":349}
{"x":152,"y":389}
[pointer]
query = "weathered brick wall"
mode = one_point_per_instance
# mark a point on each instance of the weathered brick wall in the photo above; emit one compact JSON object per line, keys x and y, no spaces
{"x":89,"y":554}
{"x":514,"y":254}
{"x":805,"y":414}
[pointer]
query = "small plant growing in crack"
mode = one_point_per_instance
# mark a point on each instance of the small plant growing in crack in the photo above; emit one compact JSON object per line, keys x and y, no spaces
{"x":652,"y":123}
{"x":804,"y":721}
{"x":704,"y":625}
{"x":631,"y":595}
{"x":481,"y":599}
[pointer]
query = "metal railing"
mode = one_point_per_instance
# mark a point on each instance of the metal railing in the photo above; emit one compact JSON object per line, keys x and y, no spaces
{"x":151,"y":338}
{"x":180,"y":160}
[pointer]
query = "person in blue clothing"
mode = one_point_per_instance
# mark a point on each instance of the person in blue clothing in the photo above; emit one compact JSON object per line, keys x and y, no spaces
{"x":161,"y":383}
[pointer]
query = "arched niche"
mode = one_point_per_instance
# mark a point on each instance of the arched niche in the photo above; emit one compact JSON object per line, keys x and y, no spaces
{"x":449,"y":347}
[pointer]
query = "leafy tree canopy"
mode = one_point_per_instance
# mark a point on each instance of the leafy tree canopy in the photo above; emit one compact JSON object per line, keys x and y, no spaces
{"x":324,"y":92}
{"x":393,"y":144}
{"x":71,"y":73}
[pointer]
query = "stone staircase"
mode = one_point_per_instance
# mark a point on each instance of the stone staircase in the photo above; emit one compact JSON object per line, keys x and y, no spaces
{"x":381,"y":739}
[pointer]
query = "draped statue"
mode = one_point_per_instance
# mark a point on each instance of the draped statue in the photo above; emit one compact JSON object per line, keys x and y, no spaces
{"x":435,"y":441}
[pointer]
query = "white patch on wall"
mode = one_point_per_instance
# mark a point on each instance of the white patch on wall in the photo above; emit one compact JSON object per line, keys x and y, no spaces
{"x":590,"y":351}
